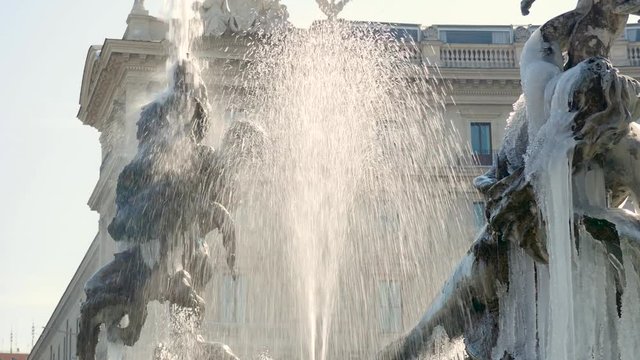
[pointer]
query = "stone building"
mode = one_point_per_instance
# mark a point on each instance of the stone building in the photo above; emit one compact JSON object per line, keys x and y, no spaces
{"x":13,"y":356}
{"x":480,"y":64}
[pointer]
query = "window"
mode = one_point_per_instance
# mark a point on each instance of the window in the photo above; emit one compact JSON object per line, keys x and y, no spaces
{"x":475,"y":36}
{"x":389,"y":219}
{"x":409,"y":34}
{"x":233,"y":295}
{"x":633,"y":34}
{"x":397,"y":31}
{"x":481,"y":143}
{"x":478,"y":214}
{"x":390,"y":306}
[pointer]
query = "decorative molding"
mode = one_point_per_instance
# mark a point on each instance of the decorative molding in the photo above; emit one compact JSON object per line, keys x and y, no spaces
{"x":138,"y":8}
{"x":114,"y":63}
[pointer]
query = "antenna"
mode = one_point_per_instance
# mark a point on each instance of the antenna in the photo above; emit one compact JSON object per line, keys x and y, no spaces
{"x":11,"y":341}
{"x":33,"y":333}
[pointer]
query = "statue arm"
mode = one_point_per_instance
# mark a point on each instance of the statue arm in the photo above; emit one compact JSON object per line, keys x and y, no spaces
{"x":467,"y":293}
{"x":525,"y":6}
{"x":446,"y":311}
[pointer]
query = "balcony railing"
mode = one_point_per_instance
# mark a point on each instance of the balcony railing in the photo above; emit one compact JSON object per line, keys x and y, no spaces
{"x":633,"y":53}
{"x":478,"y":56}
{"x":475,"y":159}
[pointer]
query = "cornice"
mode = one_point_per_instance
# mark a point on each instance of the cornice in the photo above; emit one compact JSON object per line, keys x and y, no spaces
{"x":88,"y":73}
{"x":495,"y":74}
{"x":76,"y":285}
{"x":117,"y":58}
{"x":110,"y":169}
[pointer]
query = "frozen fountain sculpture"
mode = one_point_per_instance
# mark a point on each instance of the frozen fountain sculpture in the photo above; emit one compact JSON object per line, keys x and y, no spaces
{"x":174,"y":192}
{"x":555,"y":272}
{"x":168,"y":198}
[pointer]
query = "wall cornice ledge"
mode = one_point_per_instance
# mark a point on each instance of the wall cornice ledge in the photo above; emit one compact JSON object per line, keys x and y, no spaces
{"x":75,"y":286}
{"x":115,"y":59}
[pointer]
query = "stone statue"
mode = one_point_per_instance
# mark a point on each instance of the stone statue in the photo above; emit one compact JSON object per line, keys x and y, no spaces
{"x":242,"y":16}
{"x":173,"y":193}
{"x":138,"y":7}
{"x":331,"y":8}
{"x":216,"y":16}
{"x":597,"y":107}
{"x":593,"y":26}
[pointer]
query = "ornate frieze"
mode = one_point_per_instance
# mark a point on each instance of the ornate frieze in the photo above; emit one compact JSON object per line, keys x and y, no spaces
{"x":238,"y":16}
{"x":430,"y":33}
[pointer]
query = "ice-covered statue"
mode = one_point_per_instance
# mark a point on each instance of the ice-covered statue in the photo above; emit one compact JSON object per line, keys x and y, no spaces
{"x":555,"y":272}
{"x":173,"y":193}
{"x":243,"y":16}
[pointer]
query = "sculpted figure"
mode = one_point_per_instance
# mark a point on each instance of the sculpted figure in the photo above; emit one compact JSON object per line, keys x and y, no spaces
{"x":594,"y":26}
{"x":588,"y":31}
{"x":602,"y":106}
{"x":169,"y":197}
{"x":332,"y":8}
{"x":215,"y":16}
{"x":468,"y":303}
{"x":234,"y":16}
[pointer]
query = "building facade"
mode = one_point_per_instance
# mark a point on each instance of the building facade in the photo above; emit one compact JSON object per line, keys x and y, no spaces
{"x":479,"y":66}
{"x":13,"y":356}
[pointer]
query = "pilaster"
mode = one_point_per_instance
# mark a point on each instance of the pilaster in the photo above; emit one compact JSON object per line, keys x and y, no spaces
{"x":142,"y":27}
{"x":431,"y":52}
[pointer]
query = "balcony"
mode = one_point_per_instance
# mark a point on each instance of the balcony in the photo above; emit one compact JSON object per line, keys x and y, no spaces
{"x":633,"y":53}
{"x":478,"y":56}
{"x":482,"y":47}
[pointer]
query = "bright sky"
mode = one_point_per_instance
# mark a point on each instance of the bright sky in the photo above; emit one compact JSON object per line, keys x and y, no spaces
{"x":50,"y":161}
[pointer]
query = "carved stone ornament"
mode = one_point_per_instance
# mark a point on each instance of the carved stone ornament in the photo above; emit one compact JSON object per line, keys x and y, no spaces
{"x":430,"y":33}
{"x":233,"y":16}
{"x":521,"y":34}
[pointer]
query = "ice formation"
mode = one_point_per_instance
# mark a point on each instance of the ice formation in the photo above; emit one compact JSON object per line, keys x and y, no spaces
{"x":551,"y":275}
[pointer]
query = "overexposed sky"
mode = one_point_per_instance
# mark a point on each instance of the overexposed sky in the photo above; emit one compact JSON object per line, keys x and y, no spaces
{"x":49,"y":161}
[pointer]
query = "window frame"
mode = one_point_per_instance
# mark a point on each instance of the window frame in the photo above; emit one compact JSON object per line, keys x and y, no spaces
{"x":480,"y":157}
{"x":492,"y":33}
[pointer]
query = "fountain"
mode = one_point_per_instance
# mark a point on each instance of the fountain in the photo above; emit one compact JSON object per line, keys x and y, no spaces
{"x":350,"y":166}
{"x":168,"y":198}
{"x":334,"y":174}
{"x":328,"y":174}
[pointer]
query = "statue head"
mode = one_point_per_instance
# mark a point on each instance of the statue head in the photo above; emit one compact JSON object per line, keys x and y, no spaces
{"x":182,"y":109}
{"x":599,"y":97}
